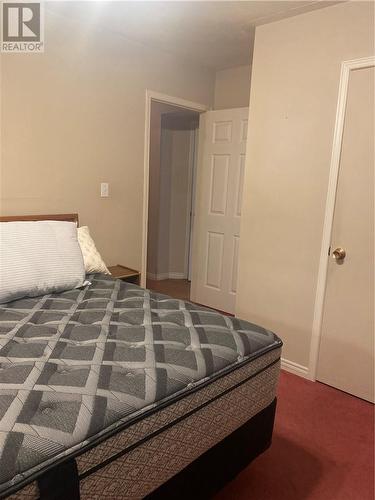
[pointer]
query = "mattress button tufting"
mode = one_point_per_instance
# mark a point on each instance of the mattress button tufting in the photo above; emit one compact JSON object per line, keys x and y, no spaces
{"x":46,"y":408}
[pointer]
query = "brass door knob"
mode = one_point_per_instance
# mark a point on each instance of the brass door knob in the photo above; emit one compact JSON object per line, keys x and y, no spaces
{"x":339,"y":254}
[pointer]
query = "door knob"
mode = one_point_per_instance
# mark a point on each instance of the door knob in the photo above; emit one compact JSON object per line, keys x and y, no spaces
{"x":339,"y":254}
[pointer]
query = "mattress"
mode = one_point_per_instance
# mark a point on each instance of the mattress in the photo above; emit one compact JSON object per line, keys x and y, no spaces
{"x":127,"y":385}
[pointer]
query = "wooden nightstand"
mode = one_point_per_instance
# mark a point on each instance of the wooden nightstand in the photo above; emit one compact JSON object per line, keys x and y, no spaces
{"x":125,"y":274}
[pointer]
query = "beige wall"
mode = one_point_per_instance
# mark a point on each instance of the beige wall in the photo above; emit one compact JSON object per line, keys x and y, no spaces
{"x":170,"y":170}
{"x":74,"y":117}
{"x":181,"y":137}
{"x":157,"y":110}
{"x":232,"y":87}
{"x":295,"y":78}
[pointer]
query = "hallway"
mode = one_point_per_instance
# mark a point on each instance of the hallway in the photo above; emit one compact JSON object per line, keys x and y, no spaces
{"x":179,"y":289}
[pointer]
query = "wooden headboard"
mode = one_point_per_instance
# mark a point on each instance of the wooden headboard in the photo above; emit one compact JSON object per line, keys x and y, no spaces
{"x":61,"y":217}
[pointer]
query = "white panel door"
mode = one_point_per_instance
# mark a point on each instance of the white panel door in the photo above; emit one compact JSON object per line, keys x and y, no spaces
{"x":221,"y":163}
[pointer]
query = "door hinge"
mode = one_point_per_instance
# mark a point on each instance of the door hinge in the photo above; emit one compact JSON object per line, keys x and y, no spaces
{"x":329,"y":251}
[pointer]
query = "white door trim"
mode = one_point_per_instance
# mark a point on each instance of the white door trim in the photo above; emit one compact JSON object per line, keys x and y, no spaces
{"x":190,"y":197}
{"x":175,"y":101}
{"x":346,"y":68}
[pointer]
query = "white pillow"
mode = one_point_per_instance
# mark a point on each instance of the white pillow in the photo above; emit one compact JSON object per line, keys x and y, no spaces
{"x":91,"y":257}
{"x":38,"y":258}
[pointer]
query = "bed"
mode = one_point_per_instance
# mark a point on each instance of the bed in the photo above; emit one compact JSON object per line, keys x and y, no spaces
{"x":113,"y":391}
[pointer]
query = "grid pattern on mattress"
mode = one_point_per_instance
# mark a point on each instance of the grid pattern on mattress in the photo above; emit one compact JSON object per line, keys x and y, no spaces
{"x":79,"y":366}
{"x":137,"y":460}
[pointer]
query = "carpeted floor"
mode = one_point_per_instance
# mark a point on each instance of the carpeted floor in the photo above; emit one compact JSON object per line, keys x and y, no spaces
{"x":323,"y":448}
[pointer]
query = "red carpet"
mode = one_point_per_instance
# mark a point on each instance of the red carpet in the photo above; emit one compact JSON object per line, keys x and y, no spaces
{"x":323,"y":448}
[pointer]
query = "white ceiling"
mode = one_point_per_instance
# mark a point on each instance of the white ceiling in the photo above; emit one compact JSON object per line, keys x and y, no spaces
{"x":214,"y":34}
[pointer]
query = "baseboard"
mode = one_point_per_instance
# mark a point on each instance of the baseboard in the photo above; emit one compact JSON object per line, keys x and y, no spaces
{"x":176,"y":276}
{"x":152,"y":276}
{"x":166,"y":276}
{"x":292,"y":367}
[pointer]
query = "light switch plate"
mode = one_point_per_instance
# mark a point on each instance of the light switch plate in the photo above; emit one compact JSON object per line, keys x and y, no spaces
{"x":104,"y":189}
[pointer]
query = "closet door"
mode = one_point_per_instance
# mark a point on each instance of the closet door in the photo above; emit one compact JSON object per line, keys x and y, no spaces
{"x":346,"y":356}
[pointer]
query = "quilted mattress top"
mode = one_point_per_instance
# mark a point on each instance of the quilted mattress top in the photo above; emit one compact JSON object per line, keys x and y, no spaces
{"x":79,"y":364}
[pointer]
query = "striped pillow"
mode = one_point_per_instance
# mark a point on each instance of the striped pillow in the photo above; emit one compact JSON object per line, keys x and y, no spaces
{"x":38,"y":258}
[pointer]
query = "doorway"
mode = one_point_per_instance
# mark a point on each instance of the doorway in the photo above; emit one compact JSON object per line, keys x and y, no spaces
{"x":342,"y":346}
{"x":202,"y":198}
{"x":346,"y":356}
{"x":171,"y":175}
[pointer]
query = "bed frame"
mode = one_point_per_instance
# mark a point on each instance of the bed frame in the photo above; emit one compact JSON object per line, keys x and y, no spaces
{"x":59,"y":217}
{"x":211,"y":471}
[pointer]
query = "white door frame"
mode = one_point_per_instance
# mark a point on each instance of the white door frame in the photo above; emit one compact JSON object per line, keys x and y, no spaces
{"x":346,"y":68}
{"x":174,"y":101}
{"x":193,"y":146}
